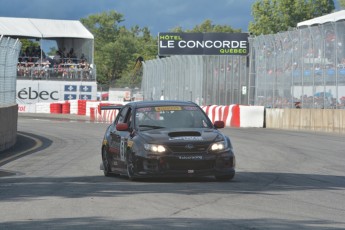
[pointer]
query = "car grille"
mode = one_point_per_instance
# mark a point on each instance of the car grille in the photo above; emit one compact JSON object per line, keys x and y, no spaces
{"x":190,"y":165}
{"x":188,"y":148}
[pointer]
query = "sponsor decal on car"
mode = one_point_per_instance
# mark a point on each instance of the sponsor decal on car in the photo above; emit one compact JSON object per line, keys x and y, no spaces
{"x":190,"y":108}
{"x":167,"y":108}
{"x":148,"y":109}
{"x":190,"y":157}
{"x":186,"y":138}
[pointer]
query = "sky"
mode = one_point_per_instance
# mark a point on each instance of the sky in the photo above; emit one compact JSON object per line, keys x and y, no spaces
{"x":157,"y":15}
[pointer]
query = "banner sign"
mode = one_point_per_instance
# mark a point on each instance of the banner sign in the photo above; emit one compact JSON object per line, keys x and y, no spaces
{"x":35,"y":91}
{"x":203,"y":44}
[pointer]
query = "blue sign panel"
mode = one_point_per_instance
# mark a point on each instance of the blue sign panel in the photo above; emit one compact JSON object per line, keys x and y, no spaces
{"x":85,"y":97}
{"x":85,"y":88}
{"x":70,"y":96}
{"x":71,"y":88}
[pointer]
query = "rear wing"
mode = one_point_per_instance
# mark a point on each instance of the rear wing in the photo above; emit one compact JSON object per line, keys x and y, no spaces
{"x":110,"y":107}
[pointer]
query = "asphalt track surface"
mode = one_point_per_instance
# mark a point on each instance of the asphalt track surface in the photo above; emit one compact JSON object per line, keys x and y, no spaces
{"x":285,"y":180}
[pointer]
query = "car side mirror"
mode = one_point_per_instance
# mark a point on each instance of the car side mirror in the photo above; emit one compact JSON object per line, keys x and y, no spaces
{"x":219,"y":124}
{"x":122,"y":127}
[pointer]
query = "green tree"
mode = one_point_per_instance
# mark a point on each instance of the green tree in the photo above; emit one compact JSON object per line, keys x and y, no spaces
{"x":105,"y":28}
{"x":117,"y":48}
{"x":273,"y":16}
{"x":207,"y":27}
{"x":28,"y":44}
{"x":342,"y":3}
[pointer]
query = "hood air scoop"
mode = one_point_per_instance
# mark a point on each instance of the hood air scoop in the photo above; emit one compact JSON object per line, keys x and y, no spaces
{"x":184,"y":134}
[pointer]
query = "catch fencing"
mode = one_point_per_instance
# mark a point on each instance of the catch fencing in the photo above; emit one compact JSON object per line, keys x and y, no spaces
{"x":206,"y":80}
{"x":9,"y":52}
{"x":304,"y":67}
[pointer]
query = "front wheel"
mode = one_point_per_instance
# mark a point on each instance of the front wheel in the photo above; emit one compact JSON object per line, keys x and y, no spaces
{"x":106,"y":165}
{"x":130,"y":166}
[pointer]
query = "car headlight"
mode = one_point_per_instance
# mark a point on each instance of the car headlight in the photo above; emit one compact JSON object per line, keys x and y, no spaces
{"x":218,"y":146}
{"x":155,"y":148}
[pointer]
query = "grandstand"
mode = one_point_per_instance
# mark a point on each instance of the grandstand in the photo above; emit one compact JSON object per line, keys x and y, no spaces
{"x":61,"y":51}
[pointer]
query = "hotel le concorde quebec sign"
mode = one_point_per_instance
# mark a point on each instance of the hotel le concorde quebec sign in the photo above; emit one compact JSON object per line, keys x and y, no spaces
{"x":203,"y":44}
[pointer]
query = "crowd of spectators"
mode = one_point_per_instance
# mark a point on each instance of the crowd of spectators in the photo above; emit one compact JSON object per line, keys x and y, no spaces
{"x":33,"y":63}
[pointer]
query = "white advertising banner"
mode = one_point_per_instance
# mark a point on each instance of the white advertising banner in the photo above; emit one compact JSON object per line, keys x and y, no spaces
{"x":32,"y":92}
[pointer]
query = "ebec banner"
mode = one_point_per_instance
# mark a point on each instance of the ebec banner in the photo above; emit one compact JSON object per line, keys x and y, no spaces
{"x":203,"y":44}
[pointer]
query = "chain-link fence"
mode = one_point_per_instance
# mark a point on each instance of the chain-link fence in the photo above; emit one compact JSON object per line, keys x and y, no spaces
{"x":301,"y":68}
{"x":220,"y":80}
{"x":9,"y":52}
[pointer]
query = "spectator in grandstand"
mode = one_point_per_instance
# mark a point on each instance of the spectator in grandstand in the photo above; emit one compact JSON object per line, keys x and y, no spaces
{"x":83,"y":64}
{"x":71,"y":56}
{"x":57,"y":58}
{"x":298,"y":105}
{"x":62,"y":54}
{"x":82,"y":57}
{"x":44,"y":62}
{"x":84,"y":67}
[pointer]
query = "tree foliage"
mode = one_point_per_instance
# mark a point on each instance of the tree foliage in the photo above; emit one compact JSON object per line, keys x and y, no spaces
{"x":273,"y":16}
{"x":117,"y":48}
{"x":342,"y":3}
{"x":207,"y":27}
{"x":119,"y":52}
{"x":28,"y":43}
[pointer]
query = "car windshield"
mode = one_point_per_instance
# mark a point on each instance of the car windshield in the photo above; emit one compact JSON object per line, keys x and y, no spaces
{"x":158,"y":117}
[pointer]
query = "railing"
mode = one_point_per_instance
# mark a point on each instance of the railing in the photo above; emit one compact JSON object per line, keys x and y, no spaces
{"x":66,"y":72}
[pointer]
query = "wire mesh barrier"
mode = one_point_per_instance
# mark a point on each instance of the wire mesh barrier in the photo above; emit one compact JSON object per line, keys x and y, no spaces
{"x":205,"y":80}
{"x":301,"y":68}
{"x":9,"y":52}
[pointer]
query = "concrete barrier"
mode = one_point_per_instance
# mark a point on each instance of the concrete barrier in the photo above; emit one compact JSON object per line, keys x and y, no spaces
{"x":322,"y":120}
{"x":8,"y":126}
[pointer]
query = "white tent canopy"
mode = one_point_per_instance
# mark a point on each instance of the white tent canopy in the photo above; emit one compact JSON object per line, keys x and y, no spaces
{"x":43,"y":28}
{"x":333,"y":17}
{"x":67,"y":33}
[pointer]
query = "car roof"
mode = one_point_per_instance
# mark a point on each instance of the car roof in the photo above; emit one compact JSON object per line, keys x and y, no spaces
{"x":140,"y":104}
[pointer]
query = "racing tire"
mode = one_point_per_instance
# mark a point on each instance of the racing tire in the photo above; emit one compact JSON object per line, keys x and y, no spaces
{"x":130,"y":166}
{"x":106,"y":165}
{"x":224,"y":177}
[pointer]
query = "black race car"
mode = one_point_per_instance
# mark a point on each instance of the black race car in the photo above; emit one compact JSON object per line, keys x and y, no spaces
{"x":166,"y":139}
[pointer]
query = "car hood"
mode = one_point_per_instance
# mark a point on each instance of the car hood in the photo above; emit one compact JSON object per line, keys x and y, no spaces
{"x":162,"y":136}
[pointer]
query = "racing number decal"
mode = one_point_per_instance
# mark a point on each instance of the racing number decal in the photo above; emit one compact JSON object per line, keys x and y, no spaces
{"x":123,"y":148}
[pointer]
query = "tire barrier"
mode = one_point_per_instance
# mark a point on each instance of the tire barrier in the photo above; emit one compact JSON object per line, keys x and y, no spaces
{"x":81,"y":107}
{"x":66,"y":108}
{"x":232,"y":115}
{"x":55,"y":108}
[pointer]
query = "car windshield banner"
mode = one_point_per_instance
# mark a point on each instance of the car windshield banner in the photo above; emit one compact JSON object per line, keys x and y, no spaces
{"x":203,"y":44}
